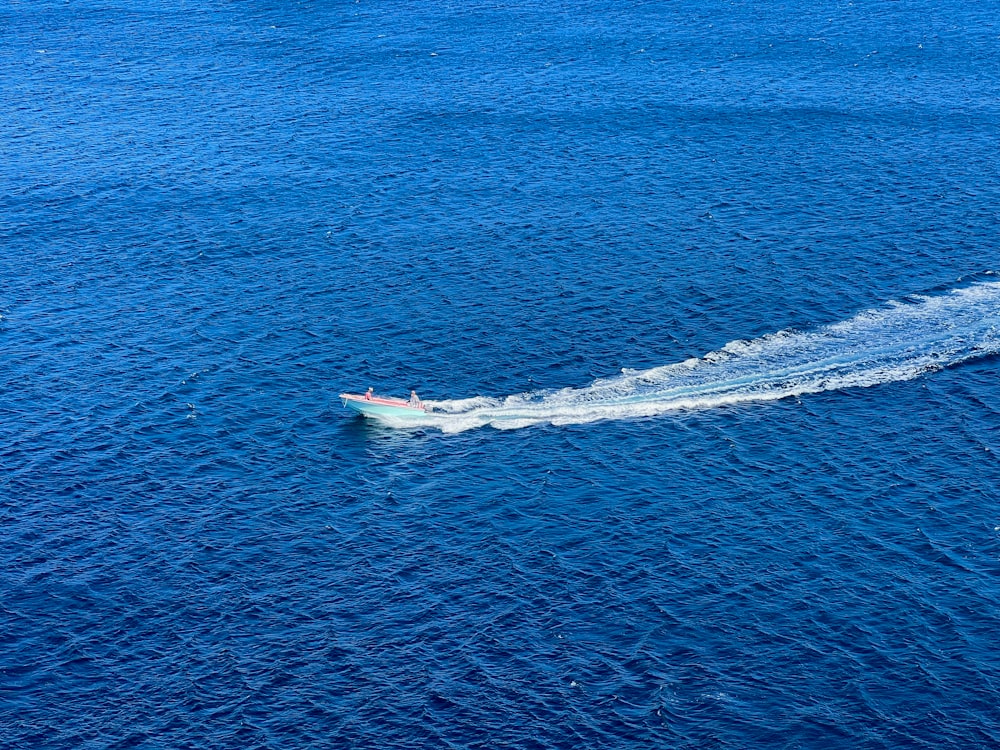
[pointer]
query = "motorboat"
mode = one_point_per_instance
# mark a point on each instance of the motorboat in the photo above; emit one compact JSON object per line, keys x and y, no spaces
{"x":370,"y":405}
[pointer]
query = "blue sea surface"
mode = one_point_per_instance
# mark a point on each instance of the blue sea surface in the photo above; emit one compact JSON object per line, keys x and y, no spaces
{"x":704,"y":298}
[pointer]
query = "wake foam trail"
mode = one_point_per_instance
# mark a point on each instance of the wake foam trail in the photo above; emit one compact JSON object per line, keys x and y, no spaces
{"x":896,"y":342}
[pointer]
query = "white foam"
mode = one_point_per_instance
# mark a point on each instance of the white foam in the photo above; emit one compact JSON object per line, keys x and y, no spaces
{"x":899,"y":341}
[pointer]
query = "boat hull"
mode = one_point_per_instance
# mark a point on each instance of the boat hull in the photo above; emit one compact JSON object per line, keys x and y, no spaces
{"x":378,"y":406}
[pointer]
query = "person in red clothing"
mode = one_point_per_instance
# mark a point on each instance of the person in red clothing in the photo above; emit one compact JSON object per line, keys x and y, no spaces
{"x":369,"y":393}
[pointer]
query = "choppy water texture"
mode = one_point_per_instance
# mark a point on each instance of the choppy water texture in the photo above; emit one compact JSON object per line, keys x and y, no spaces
{"x":729,"y":267}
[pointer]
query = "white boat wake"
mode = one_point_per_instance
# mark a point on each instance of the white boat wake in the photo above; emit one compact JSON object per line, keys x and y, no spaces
{"x":896,"y":342}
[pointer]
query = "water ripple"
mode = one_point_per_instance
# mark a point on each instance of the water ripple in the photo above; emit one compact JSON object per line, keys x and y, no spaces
{"x":215,"y":219}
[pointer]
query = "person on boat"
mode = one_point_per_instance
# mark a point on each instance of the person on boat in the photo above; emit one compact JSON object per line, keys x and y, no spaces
{"x":415,"y":400}
{"x":369,"y":393}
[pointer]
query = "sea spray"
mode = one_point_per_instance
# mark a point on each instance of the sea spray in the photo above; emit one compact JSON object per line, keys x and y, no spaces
{"x":898,"y":341}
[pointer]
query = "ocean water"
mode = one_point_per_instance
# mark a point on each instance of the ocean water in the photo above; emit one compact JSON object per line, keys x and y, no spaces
{"x":704,"y":297}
